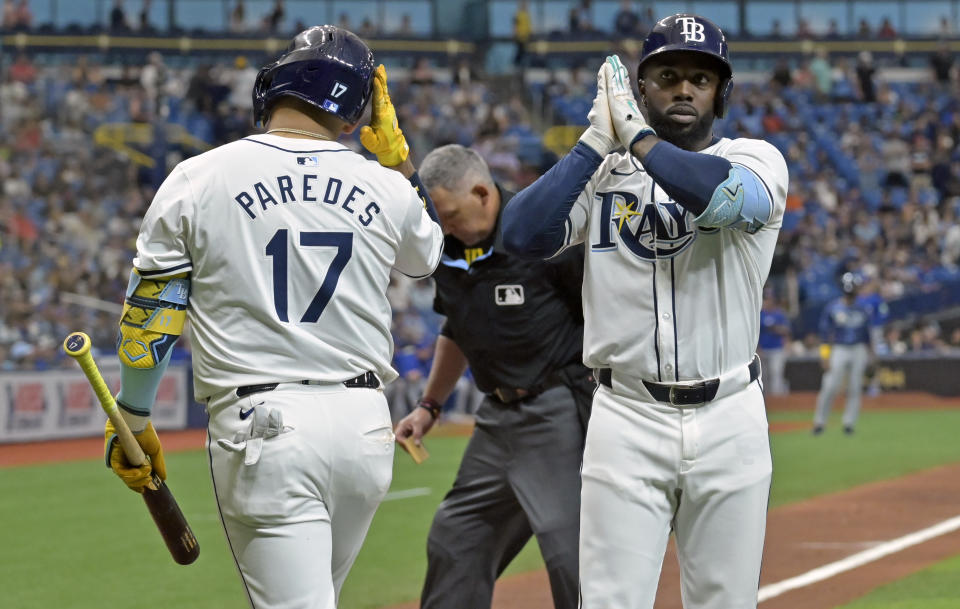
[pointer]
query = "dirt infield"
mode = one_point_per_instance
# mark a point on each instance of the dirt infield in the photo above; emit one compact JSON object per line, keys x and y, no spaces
{"x":31,"y":453}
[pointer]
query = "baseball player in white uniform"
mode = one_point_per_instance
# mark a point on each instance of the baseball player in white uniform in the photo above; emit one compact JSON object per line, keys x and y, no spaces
{"x":278,"y":249}
{"x":679,"y":234}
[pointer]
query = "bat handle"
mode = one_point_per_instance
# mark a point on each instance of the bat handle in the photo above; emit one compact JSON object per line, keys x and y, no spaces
{"x":77,"y":346}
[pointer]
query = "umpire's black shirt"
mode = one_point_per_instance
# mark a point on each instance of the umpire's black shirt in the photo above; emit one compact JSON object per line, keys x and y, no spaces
{"x":516,"y":320}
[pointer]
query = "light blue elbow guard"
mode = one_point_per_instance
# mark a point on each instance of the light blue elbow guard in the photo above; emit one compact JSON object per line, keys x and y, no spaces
{"x":741,"y":201}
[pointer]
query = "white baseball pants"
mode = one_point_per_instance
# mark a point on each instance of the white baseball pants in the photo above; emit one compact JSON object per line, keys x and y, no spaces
{"x":703,"y":472}
{"x":297,"y":483}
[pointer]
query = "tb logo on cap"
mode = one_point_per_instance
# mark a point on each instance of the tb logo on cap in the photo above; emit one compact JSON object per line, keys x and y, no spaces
{"x":691,"y":30}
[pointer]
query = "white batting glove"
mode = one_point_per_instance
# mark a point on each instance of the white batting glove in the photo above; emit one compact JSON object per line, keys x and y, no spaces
{"x":628,"y":122}
{"x":600,"y":134}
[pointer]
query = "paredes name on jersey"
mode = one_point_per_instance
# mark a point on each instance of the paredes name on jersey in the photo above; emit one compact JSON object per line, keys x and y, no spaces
{"x":307,"y":188}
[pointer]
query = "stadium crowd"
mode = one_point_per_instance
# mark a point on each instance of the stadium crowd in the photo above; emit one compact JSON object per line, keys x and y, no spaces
{"x":874,"y":167}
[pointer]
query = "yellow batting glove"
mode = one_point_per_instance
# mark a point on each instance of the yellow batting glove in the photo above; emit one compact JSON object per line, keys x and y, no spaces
{"x":383,"y":137}
{"x":137,"y":478}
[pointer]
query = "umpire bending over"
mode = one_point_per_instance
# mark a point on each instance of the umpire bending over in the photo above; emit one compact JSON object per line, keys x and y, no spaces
{"x":518,"y":324}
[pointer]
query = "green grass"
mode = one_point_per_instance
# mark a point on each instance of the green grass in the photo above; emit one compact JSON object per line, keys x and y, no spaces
{"x":74,"y":537}
{"x":887,"y":444}
{"x":933,"y":588}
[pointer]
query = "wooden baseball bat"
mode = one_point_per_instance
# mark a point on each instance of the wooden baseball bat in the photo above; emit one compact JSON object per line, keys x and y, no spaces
{"x":163,"y":507}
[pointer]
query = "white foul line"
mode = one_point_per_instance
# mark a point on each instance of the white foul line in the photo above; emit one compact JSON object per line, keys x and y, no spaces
{"x":858,"y":559}
{"x":406,"y":494}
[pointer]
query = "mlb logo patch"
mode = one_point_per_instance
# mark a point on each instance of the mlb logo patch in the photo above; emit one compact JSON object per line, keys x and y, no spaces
{"x":509,"y":295}
{"x":330,"y":106}
{"x":309,"y":161}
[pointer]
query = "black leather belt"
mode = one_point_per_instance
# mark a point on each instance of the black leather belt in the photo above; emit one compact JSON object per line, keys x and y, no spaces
{"x":682,"y":395}
{"x":560,"y":376}
{"x":366,"y":380}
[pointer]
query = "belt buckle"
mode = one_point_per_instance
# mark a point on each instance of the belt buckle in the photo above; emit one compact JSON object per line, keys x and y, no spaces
{"x":681,"y":395}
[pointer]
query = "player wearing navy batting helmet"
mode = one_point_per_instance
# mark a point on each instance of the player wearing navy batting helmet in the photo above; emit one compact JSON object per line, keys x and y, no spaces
{"x":846,"y":351}
{"x":679,"y":231}
{"x":278,"y":249}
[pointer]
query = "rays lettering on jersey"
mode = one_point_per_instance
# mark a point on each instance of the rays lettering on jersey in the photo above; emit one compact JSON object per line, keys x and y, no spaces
{"x":307,"y":188}
{"x":648,"y":230}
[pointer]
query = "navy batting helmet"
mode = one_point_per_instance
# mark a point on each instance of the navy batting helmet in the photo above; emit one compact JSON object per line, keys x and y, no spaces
{"x":683,"y":32}
{"x":325,"y":66}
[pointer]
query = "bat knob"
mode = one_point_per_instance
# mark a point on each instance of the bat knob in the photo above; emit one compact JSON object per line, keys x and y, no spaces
{"x":77,"y":344}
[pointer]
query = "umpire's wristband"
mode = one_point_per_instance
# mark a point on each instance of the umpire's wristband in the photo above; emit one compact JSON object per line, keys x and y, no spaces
{"x":431,"y":406}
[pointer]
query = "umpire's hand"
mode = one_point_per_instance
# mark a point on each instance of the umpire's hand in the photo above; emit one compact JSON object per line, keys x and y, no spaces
{"x":414,"y":426}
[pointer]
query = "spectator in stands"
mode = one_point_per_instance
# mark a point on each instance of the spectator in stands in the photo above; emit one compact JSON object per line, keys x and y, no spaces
{"x":775,"y":31}
{"x":864,"y":32}
{"x":886,"y":31}
{"x":833,"y":30}
{"x":238,"y":18}
{"x":9,"y":14}
{"x":925,"y":337}
{"x":464,"y":73}
{"x":521,"y":34}
{"x":946,"y":27}
{"x":802,"y":77}
{"x":369,"y":30}
{"x":626,"y":22}
{"x":143,"y":24}
{"x":822,"y":74}
{"x":865,"y":72}
{"x":894,"y":342}
{"x":21,"y":18}
{"x":118,"y":18}
{"x":422,"y":72}
{"x":274,"y":19}
{"x":406,"y":27}
{"x":803,"y":30}
{"x":941,"y":62}
{"x":953,"y":343}
{"x":23,"y":69}
{"x":781,"y":76}
{"x":580,"y":21}
{"x":153,"y":78}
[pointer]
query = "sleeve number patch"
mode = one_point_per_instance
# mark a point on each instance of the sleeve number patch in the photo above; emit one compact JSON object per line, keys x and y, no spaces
{"x":277,"y":249}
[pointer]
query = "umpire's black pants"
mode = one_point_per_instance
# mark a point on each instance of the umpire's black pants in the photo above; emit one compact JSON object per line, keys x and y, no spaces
{"x":520,"y":475}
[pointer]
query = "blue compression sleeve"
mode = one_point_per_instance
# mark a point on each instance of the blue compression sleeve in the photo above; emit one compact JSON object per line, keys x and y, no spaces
{"x":690,"y":178}
{"x":533,"y":222}
{"x":138,"y":386}
{"x":427,"y":201}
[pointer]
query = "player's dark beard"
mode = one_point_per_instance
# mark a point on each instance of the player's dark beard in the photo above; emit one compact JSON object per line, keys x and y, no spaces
{"x":686,"y":137}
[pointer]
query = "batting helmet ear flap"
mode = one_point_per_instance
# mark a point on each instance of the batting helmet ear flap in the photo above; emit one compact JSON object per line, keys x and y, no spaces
{"x":260,"y":88}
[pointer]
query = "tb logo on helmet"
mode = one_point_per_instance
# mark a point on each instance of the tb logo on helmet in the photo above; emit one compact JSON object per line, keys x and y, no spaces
{"x":691,"y":30}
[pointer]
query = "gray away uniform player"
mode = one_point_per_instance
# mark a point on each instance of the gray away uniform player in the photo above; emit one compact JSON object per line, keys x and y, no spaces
{"x":285,"y":242}
{"x":845,"y":334}
{"x":679,"y":234}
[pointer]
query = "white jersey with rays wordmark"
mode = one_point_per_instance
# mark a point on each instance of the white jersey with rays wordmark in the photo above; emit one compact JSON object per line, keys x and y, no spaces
{"x":289,"y":243}
{"x":668,"y":303}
